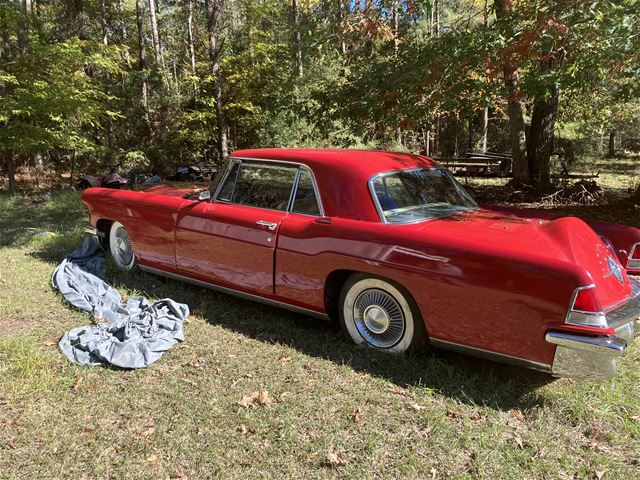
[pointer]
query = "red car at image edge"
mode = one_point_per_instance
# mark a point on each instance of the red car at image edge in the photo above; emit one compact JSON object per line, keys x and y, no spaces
{"x":394,"y":248}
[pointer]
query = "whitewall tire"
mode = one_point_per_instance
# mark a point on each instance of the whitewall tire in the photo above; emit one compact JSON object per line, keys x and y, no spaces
{"x":381,"y":315}
{"x":120,"y":247}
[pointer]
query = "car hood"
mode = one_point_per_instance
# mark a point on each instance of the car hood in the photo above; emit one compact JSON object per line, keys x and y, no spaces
{"x":175,"y":189}
{"x":568,"y":239}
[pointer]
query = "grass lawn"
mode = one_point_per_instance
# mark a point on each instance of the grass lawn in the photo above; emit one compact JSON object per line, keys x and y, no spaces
{"x":338,"y":411}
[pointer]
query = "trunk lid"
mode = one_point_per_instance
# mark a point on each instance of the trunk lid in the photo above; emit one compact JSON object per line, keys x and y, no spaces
{"x":568,"y":238}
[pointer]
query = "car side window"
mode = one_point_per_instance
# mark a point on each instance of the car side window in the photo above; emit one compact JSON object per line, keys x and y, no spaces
{"x":264,"y":186}
{"x":305,"y":201}
{"x":227,"y":189}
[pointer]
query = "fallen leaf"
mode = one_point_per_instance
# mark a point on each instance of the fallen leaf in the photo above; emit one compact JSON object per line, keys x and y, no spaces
{"x":477,"y":416}
{"x":356,"y":416}
{"x":247,"y":431}
{"x":284,"y":360}
{"x":518,"y":415}
{"x":152,"y":458}
{"x":77,"y":385}
{"x":454,"y":414}
{"x":334,"y":459}
{"x":49,"y":342}
{"x":398,"y":390}
{"x":518,"y":441}
{"x":598,"y":474}
{"x":151,"y":429}
{"x":179,"y":476}
{"x":417,"y":408}
{"x":261,"y":397}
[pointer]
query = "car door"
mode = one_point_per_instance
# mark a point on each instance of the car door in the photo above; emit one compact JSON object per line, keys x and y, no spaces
{"x":231,"y":241}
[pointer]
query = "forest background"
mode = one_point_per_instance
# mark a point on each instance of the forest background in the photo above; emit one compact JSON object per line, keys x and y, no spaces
{"x":146,"y":85}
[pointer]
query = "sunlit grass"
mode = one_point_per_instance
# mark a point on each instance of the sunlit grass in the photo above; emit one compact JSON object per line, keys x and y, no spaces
{"x":339,"y":411}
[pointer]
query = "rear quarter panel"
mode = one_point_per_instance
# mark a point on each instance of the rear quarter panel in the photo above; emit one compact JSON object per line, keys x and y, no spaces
{"x":149,"y":219}
{"x":466,"y":293}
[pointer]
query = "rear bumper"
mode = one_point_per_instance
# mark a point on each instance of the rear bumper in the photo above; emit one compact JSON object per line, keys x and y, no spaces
{"x":595,"y":356}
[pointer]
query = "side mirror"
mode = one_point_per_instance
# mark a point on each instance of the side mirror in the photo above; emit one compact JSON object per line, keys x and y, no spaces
{"x":204,"y":195}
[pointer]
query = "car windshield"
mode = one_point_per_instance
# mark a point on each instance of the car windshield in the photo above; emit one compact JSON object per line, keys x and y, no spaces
{"x":419,"y":194}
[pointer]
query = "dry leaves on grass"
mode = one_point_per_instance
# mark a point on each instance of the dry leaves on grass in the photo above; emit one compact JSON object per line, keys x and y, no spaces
{"x":259,"y":398}
{"x":334,"y":459}
{"x":356,"y":416}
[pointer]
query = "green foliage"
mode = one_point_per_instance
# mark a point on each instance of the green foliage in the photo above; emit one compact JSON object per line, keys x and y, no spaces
{"x":79,"y":101}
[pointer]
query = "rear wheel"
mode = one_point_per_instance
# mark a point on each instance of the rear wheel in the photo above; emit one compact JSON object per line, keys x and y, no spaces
{"x":120,"y":247}
{"x":377,"y":313}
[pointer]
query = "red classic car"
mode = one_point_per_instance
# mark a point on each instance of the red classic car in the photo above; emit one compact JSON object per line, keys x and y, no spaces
{"x":392,"y":246}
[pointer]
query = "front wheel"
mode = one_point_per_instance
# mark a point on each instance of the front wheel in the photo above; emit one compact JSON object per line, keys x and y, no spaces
{"x":381,"y":315}
{"x":120,"y":247}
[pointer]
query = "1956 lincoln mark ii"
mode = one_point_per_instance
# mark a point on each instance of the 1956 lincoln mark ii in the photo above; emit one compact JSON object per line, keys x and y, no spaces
{"x":392,"y":246}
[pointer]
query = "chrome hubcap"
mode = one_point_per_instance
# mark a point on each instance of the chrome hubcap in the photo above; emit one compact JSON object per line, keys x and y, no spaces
{"x":378,"y":318}
{"x":124,"y":252}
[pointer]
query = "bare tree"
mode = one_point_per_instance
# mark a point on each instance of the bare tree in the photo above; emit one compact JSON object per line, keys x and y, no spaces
{"x":213,"y":15}
{"x":155,"y":34}
{"x":192,"y":51}
{"x":142,"y":60}
{"x":297,"y":38}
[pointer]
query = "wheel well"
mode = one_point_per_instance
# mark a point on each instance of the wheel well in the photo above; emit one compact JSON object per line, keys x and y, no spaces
{"x":103,"y":226}
{"x":332,"y":288}
{"x":337,"y":279}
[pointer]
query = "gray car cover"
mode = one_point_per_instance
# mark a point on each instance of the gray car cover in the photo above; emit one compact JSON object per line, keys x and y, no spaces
{"x":128,"y":335}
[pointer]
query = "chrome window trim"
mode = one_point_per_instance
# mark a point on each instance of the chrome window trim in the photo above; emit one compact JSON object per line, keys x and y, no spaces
{"x":298,"y":165}
{"x":632,"y":263}
{"x":224,"y":180}
{"x":376,"y":202}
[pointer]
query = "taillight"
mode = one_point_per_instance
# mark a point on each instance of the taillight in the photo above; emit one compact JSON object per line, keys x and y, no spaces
{"x":634,"y":257}
{"x":585,"y":309}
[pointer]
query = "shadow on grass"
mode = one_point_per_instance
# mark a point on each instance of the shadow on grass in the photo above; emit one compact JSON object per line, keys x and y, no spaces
{"x":23,"y":216}
{"x":465,"y":379}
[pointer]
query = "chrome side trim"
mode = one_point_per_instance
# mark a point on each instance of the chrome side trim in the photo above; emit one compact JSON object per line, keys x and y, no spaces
{"x":489,"y":355}
{"x":630,"y":311}
{"x":237,"y":293}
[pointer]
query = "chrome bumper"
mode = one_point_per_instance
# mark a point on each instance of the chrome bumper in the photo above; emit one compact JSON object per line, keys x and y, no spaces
{"x":595,"y":357}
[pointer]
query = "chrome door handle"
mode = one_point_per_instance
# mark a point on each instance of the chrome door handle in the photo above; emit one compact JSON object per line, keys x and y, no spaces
{"x":270,"y":225}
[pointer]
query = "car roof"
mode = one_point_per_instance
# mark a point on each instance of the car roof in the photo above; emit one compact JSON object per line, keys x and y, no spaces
{"x":363,"y":162}
{"x":342,"y":175}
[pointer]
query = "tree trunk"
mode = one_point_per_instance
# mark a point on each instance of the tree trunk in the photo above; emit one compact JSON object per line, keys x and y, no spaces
{"x":11,"y":171}
{"x":81,"y":19}
{"x":297,"y":39}
{"x":22,"y":26}
{"x":142,"y":60}
{"x":636,"y":196}
{"x":155,"y":35}
{"x":470,"y":132}
{"x":104,"y":22}
{"x":213,"y":14}
{"x":517,"y":133}
{"x":540,"y":140}
{"x":485,"y":128}
{"x":4,"y":35}
{"x":343,"y":43}
{"x":192,"y":51}
{"x":612,"y":144}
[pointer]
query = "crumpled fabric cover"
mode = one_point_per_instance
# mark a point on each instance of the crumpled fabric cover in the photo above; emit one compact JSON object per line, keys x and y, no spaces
{"x":128,"y":335}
